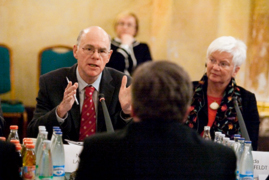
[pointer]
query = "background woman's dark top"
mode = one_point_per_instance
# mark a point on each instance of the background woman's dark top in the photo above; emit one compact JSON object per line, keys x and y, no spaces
{"x":127,"y":61}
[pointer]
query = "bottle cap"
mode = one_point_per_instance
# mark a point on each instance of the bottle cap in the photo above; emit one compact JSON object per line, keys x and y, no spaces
{"x":27,"y":139}
{"x":237,"y":135}
{"x":41,"y":128}
{"x":247,"y":142}
{"x":15,"y":141}
{"x":18,"y":147}
{"x":30,"y":146}
{"x":55,"y":127}
{"x":58,"y":132}
{"x":3,"y":138}
{"x":44,"y":132}
{"x":13,"y":127}
{"x":28,"y":142}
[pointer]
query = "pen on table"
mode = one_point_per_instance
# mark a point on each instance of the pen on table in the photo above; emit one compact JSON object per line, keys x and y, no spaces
{"x":74,"y":94}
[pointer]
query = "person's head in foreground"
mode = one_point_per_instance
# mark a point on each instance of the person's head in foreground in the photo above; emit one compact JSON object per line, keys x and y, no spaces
{"x":161,"y":90}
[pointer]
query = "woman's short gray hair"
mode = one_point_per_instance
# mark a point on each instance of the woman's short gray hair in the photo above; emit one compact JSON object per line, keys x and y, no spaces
{"x":229,"y":44}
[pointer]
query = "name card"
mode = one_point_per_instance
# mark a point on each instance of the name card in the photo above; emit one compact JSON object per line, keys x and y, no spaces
{"x":261,"y":163}
{"x":262,"y":177}
{"x":72,"y":153}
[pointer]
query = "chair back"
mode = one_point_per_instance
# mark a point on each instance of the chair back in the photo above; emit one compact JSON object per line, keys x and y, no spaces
{"x":5,"y":69}
{"x":54,"y":57}
{"x":13,"y":109}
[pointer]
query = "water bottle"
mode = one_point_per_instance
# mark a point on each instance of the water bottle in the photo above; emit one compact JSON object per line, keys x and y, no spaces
{"x":246,"y":163}
{"x":238,"y":153}
{"x":41,"y":129}
{"x":53,"y":140}
{"x":13,"y":133}
{"x":58,"y":158}
{"x":217,"y":138}
{"x":236,"y":143}
{"x":225,"y":141}
{"x":221,"y":137}
{"x":231,"y":144}
{"x":54,"y":128}
{"x":206,"y":134}
{"x":45,"y":162}
{"x":29,"y":162}
{"x":43,"y":136}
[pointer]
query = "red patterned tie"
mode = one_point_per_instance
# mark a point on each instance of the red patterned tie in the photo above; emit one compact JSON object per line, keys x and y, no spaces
{"x":88,"y":116}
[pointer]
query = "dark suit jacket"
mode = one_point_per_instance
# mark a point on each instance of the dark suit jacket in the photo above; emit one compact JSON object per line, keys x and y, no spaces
{"x":119,"y":56}
{"x":52,"y":86}
{"x":155,"y":150}
{"x":250,"y":115}
{"x":10,"y":162}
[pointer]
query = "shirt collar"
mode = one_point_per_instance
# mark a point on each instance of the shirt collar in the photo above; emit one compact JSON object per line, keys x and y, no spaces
{"x":82,"y":84}
{"x":119,"y":40}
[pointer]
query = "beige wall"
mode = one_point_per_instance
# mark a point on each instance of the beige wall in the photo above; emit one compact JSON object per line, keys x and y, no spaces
{"x":176,"y":30}
{"x":257,"y":73}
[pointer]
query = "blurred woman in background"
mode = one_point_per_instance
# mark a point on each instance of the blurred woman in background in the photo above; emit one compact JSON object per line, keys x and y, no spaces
{"x":212,"y":103}
{"x":128,"y":53}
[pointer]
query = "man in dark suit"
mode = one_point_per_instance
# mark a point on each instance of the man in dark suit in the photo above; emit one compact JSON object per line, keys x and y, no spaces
{"x":56,"y":104}
{"x":156,"y":145}
{"x":10,"y":162}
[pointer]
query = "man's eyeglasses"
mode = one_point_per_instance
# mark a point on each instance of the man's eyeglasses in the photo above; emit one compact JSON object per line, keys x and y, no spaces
{"x":91,"y":50}
{"x":222,"y":65}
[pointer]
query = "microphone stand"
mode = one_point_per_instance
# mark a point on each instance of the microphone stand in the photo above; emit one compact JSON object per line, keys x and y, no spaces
{"x":109,"y":125}
{"x":241,"y":120}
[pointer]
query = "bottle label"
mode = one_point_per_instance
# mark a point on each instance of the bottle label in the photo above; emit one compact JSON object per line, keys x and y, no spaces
{"x":29,"y":172}
{"x":58,"y":171}
{"x":45,"y":177}
{"x":246,"y":176}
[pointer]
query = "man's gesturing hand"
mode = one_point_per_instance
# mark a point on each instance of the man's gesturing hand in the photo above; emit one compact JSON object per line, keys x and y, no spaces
{"x":125,"y":96}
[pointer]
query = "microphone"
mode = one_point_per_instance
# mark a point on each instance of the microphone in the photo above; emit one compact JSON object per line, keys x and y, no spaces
{"x":241,"y":120}
{"x":109,"y":126}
